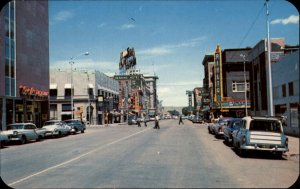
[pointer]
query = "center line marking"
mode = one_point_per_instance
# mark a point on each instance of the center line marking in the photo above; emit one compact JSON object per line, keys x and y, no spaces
{"x":76,"y":158}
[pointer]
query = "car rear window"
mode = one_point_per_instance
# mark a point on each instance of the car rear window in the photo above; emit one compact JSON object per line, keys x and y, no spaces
{"x":262,"y":125}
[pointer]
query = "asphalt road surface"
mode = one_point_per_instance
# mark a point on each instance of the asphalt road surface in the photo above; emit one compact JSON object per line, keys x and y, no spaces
{"x":184,"y":156}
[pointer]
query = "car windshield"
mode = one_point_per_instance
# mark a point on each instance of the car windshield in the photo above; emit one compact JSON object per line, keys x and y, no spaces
{"x":13,"y":127}
{"x":262,"y":125}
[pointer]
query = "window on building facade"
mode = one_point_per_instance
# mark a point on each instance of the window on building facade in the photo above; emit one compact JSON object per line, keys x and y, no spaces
{"x":291,"y":89}
{"x":67,"y":92}
{"x":283,"y":90}
{"x":66,"y":107}
{"x":239,"y":86}
{"x":53,"y":92}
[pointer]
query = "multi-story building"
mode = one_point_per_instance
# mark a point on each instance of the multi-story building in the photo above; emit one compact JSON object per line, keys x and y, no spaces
{"x":258,"y":77}
{"x":286,"y":93}
{"x":24,"y":66}
{"x":230,"y":70}
{"x":151,"y":82}
{"x":94,"y":95}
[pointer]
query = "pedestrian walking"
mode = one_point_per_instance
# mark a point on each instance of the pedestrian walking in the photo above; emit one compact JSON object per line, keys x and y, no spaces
{"x":156,"y":122}
{"x":138,"y":121}
{"x":106,"y":119}
{"x":145,"y":122}
{"x":180,"y":120}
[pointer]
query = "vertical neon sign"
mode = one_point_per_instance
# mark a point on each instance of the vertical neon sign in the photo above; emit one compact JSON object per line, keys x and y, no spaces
{"x":218,"y":75}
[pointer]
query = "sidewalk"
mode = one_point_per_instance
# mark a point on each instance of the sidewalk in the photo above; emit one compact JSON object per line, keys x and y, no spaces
{"x":293,"y":147}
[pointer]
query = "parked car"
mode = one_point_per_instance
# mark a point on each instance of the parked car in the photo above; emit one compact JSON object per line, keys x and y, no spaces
{"x":3,"y":139}
{"x":261,"y":134}
{"x":23,"y":132}
{"x":56,"y":128}
{"x":216,"y":128}
{"x":197,"y":119}
{"x":76,"y":125}
{"x":132,"y":120}
{"x":233,"y":124}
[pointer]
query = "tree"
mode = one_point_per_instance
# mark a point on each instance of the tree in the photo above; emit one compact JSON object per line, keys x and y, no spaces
{"x":185,"y":111}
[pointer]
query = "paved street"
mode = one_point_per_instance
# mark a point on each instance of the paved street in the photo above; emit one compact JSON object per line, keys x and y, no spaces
{"x":184,"y":156}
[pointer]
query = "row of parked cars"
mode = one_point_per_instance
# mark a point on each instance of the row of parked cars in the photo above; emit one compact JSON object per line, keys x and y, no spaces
{"x":23,"y":132}
{"x":251,"y":134}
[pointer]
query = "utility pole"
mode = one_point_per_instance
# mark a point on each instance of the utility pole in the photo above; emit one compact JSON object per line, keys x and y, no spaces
{"x":270,"y":88}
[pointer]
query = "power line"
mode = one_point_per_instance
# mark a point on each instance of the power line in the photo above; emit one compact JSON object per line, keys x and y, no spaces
{"x":256,"y":18}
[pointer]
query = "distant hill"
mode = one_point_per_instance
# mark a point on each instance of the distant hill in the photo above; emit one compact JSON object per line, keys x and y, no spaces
{"x":170,"y":108}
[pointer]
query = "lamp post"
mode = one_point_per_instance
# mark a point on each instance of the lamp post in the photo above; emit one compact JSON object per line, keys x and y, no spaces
{"x":71,"y":62}
{"x":89,"y":101}
{"x":245,"y":83}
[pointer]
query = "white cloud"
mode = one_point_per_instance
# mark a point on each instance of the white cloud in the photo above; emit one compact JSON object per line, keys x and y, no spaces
{"x":170,"y":48}
{"x":101,"y":25}
{"x":293,"y":19}
{"x":87,"y":64}
{"x":63,"y":15}
{"x":127,"y":26}
{"x":155,"y":51}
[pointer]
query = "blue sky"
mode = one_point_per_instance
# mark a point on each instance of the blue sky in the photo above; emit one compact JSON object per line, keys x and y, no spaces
{"x":170,"y":37}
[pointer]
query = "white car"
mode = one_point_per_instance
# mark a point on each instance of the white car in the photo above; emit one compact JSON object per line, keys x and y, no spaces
{"x":3,"y":139}
{"x":23,"y":132}
{"x":56,"y":128}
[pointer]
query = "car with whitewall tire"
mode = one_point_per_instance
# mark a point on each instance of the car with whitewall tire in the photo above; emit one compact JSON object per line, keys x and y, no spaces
{"x":23,"y":132}
{"x":56,"y":128}
{"x":76,"y":125}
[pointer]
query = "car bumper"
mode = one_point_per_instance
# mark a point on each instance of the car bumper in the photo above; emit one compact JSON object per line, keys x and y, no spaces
{"x":262,"y":148}
{"x":51,"y":133}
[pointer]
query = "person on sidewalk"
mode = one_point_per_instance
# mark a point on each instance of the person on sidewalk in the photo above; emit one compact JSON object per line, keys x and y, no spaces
{"x":180,"y":120}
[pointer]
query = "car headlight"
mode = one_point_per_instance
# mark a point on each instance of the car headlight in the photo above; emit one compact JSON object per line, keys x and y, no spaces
{"x":15,"y":133}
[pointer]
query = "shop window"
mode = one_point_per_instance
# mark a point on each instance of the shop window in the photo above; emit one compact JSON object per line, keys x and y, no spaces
{"x":291,"y":89}
{"x":283,"y":90}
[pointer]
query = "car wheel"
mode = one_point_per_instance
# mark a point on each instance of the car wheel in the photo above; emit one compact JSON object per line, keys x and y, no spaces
{"x":23,"y":140}
{"x":82,"y":131}
{"x":59,"y":134}
{"x":39,"y":138}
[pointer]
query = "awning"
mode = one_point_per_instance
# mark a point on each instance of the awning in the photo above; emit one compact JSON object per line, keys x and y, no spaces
{"x":91,"y":86}
{"x":53,"y":86}
{"x":66,"y":113}
{"x":68,"y":86}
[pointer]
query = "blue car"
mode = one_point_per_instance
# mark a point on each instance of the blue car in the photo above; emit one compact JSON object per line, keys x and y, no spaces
{"x":233,"y":124}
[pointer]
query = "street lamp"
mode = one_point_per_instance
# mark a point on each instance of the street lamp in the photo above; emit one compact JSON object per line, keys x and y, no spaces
{"x":71,"y":62}
{"x":245,"y":83}
{"x":89,"y":101}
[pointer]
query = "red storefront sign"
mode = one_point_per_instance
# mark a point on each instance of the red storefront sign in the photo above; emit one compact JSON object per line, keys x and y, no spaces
{"x":31,"y":91}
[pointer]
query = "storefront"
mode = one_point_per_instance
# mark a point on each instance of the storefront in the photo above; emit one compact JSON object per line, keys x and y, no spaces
{"x":31,"y":106}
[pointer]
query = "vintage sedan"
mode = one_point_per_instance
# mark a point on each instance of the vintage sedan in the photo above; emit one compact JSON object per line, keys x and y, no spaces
{"x":23,"y":132}
{"x":216,"y":128}
{"x":76,"y":125}
{"x":260,"y":134}
{"x":56,"y":128}
{"x":233,"y":124}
